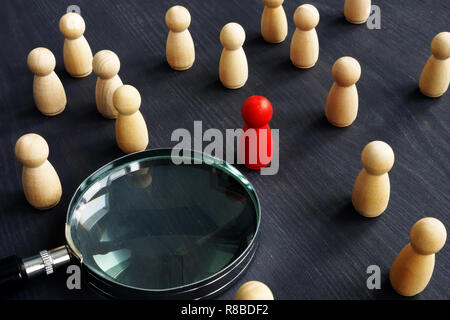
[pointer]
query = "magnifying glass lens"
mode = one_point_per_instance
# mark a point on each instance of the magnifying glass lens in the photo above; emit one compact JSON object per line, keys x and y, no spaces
{"x":153,"y":225}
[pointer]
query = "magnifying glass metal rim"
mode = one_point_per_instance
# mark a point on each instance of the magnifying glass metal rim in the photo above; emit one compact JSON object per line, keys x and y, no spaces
{"x":203,"y":288}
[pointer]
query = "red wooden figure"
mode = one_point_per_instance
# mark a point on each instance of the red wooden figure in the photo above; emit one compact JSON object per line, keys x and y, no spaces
{"x":256,"y":140}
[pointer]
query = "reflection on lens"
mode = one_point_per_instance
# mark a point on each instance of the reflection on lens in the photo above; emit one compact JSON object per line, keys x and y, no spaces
{"x":155,"y":225}
{"x":114,"y":262}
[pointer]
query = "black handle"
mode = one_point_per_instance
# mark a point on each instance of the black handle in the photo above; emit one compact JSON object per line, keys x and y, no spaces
{"x":12,"y":272}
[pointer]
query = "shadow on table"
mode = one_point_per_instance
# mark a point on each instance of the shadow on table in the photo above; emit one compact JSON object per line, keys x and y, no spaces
{"x":311,"y":137}
{"x":415,"y":99}
{"x":387,"y":292}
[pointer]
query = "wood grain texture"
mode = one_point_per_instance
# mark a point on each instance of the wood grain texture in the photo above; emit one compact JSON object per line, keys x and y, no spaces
{"x":313,"y":244}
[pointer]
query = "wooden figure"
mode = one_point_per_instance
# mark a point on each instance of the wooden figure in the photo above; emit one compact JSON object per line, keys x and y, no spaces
{"x":255,"y":143}
{"x":180,"y":51}
{"x":40,"y":181}
{"x":233,"y":66}
{"x":435,"y":76}
{"x":106,"y":65}
{"x":254,"y":290}
{"x":131,"y":129}
{"x":342,"y":103}
{"x":48,"y":91}
{"x":413,"y":267}
{"x":304,"y":50}
{"x":274,"y":26}
{"x":77,"y":52}
{"x":357,"y":11}
{"x":371,"y":191}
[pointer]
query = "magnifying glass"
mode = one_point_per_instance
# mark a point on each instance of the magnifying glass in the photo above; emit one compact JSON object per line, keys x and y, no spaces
{"x":143,"y":226}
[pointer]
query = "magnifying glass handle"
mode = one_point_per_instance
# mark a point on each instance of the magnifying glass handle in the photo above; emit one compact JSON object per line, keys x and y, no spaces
{"x":14,"y":270}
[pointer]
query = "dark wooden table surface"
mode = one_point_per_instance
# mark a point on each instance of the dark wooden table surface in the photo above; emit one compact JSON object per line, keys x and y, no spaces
{"x":313,"y":244}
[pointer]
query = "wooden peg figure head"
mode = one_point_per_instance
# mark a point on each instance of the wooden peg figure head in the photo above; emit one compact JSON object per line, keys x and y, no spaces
{"x":377,"y":157}
{"x":41,"y":61}
{"x":428,"y":236}
{"x":257,"y":111}
{"x":72,"y":25}
{"x":178,"y":18}
{"x":126,"y":100}
{"x":273,"y":3}
{"x":232,"y":36}
{"x":440,"y":46}
{"x":346,"y":71}
{"x":306,"y":17}
{"x":106,"y":64}
{"x":31,"y":150}
{"x":254,"y":290}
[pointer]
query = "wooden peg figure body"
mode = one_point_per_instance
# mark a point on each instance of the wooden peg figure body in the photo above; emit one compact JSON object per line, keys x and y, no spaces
{"x":254,"y":290}
{"x":274,"y":26}
{"x":77,"y":52}
{"x":131,"y":129}
{"x":48,"y":91}
{"x":255,"y":143}
{"x":40,"y":181}
{"x":413,"y":267}
{"x":342,"y":103}
{"x":106,"y":65}
{"x":357,"y":11}
{"x":180,"y":50}
{"x":435,"y":76}
{"x":371,"y":190}
{"x":304,"y":50}
{"x":233,"y":66}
